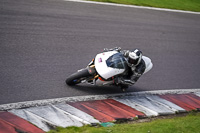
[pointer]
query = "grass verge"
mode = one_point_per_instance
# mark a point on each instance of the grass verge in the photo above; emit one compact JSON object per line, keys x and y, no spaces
{"x":184,"y":124}
{"x":189,"y":5}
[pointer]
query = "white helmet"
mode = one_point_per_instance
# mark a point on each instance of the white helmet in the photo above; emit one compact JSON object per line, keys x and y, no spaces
{"x":134,"y":57}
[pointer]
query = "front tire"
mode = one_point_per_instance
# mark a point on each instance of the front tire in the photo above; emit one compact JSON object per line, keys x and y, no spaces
{"x":77,"y":77}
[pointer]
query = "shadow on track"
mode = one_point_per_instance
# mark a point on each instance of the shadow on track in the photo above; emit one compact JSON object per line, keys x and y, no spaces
{"x":99,"y":90}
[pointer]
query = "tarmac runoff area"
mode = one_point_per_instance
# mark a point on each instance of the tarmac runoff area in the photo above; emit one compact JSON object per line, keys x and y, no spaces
{"x":82,"y":110}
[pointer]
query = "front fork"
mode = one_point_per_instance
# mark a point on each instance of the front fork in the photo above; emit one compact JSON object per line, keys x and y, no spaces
{"x":93,"y":73}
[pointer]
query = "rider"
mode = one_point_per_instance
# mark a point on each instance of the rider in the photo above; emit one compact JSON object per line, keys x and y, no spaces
{"x":136,"y":67}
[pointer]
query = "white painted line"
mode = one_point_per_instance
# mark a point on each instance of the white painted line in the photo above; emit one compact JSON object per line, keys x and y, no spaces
{"x":36,"y":120}
{"x":197,"y":93}
{"x":133,"y":6}
{"x":151,"y":105}
{"x":78,"y":113}
{"x":165,"y":103}
{"x":35,"y":103}
{"x":132,"y":104}
{"x":73,"y":116}
{"x":54,"y":115}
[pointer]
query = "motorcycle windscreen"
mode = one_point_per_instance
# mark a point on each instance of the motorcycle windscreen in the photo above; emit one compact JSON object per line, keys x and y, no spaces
{"x":148,"y":64}
{"x":109,"y":64}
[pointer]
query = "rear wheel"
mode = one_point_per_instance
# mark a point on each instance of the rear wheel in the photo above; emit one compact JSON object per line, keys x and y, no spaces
{"x":77,"y":77}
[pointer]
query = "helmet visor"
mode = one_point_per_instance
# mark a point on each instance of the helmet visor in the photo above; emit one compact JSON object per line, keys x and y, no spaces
{"x":133,"y":61}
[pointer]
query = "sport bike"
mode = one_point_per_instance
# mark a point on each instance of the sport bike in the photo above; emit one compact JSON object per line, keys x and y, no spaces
{"x":103,"y":69}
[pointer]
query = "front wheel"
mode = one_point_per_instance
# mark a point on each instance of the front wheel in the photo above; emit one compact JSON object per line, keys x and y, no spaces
{"x":77,"y":77}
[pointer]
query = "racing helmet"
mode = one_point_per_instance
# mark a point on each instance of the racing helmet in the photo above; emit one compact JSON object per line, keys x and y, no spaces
{"x":134,"y":57}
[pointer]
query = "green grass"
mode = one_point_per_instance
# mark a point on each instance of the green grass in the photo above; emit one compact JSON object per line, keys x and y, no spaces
{"x":190,"y":5}
{"x":185,"y":124}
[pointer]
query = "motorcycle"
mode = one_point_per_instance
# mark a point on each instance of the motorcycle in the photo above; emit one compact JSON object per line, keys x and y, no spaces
{"x":103,"y":69}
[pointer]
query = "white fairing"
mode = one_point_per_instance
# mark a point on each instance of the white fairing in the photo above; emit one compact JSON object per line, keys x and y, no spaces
{"x":148,"y":64}
{"x":102,"y":68}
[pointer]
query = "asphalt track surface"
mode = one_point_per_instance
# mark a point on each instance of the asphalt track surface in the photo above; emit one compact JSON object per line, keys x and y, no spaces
{"x":44,"y":41}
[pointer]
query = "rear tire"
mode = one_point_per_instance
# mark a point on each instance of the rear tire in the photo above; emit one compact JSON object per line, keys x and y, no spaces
{"x":77,"y":77}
